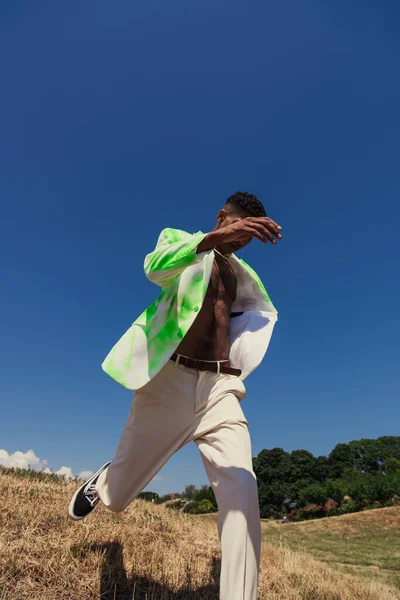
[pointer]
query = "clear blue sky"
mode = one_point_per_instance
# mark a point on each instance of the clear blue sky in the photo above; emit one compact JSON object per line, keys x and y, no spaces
{"x":118,"y":119}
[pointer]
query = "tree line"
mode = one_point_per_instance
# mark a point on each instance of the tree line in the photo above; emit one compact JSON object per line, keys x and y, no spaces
{"x":361,"y":474}
{"x":192,"y":500}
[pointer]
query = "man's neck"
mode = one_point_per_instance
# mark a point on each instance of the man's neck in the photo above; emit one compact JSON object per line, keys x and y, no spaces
{"x":222,"y":253}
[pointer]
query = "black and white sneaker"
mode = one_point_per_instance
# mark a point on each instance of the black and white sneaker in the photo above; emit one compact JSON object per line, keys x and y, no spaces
{"x":85,"y":498}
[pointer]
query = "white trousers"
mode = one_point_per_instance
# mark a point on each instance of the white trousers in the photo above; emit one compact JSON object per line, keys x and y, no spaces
{"x":177,"y":406}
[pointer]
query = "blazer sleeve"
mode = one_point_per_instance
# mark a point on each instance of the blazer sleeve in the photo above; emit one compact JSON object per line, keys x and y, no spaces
{"x":174,"y":252}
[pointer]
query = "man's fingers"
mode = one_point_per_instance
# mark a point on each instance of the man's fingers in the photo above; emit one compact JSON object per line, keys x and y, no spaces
{"x":260,"y":232}
{"x":276,"y":224}
{"x":269,"y":235}
{"x":276,"y":230}
{"x":274,"y":227}
{"x":261,"y":229}
{"x":259,"y":236}
{"x":269,"y":223}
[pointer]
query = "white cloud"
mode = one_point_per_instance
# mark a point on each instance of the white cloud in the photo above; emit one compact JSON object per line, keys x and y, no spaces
{"x":85,"y":475}
{"x":29,"y":460}
{"x":66,"y":472}
{"x":22,"y":460}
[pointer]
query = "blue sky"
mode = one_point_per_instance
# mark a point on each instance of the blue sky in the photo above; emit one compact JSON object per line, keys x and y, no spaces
{"x":120,"y":119}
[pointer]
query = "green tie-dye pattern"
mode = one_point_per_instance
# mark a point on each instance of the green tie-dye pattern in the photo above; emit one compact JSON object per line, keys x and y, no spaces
{"x":163,"y":265}
{"x":151,"y":311}
{"x":157,"y":332}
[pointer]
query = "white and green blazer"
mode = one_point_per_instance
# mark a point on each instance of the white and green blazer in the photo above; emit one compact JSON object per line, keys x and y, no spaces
{"x":184,"y":276}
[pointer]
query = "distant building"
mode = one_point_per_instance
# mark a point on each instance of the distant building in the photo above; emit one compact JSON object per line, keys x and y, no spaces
{"x":330,"y":504}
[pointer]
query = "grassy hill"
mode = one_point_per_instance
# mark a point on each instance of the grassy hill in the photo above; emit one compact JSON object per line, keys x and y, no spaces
{"x":147,"y":552}
{"x":366,"y":543}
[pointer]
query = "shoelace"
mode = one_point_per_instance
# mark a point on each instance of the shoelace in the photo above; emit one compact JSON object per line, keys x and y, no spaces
{"x":91,"y":494}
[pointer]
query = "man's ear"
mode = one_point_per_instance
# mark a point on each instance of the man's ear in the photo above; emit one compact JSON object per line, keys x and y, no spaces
{"x":221,"y":215}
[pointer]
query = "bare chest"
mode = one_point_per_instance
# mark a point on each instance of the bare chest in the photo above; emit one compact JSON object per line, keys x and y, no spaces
{"x":223,"y":281}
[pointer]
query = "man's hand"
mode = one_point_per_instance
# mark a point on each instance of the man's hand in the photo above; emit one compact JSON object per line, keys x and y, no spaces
{"x":263,"y":228}
{"x":241,"y":232}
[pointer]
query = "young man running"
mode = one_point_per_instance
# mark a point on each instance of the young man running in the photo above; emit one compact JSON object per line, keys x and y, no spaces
{"x":186,"y":357}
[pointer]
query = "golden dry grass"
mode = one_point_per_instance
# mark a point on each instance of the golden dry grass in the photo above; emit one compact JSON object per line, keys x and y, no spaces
{"x":384,"y":519}
{"x":146,"y":552}
{"x":365,"y":543}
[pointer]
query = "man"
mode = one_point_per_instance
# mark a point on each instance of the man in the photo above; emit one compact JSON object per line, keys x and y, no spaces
{"x":186,"y":357}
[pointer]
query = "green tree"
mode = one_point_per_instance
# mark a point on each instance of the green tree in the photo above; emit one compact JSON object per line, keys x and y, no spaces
{"x":316,"y":493}
{"x":271,"y":498}
{"x":205,"y":493}
{"x":149,"y":497}
{"x":367,"y":455}
{"x":366,"y":470}
{"x":385,"y":486}
{"x":392,"y":465}
{"x":389,"y":448}
{"x":348,"y":506}
{"x":199,"y":508}
{"x":189,"y":492}
{"x":272,"y":465}
{"x":303,"y":466}
{"x":339,"y":459}
{"x":321,"y":469}
{"x":206,"y":506}
{"x":358,"y":486}
{"x":336,"y":489}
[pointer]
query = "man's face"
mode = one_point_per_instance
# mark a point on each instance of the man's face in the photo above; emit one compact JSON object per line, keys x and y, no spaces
{"x":227,"y":218}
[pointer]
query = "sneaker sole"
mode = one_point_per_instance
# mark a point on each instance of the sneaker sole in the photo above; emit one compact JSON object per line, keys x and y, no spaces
{"x":71,"y":513}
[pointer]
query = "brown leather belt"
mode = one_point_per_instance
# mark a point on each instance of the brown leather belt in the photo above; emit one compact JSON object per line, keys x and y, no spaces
{"x":201,"y":365}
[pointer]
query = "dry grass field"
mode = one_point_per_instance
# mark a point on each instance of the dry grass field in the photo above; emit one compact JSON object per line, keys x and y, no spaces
{"x":147,"y":552}
{"x":365,"y":543}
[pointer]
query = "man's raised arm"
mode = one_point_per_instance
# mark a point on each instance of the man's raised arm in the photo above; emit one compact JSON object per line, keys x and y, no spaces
{"x":175,"y":251}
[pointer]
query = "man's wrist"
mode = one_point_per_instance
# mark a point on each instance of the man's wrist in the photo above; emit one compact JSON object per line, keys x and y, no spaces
{"x":210,"y":241}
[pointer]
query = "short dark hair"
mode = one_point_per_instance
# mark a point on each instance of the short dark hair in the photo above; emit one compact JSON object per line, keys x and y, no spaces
{"x":243,"y":202}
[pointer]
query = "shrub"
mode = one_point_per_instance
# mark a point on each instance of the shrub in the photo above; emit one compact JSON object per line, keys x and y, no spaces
{"x":149,"y":497}
{"x":199,"y":508}
{"x":349,"y":506}
{"x":174,"y":504}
